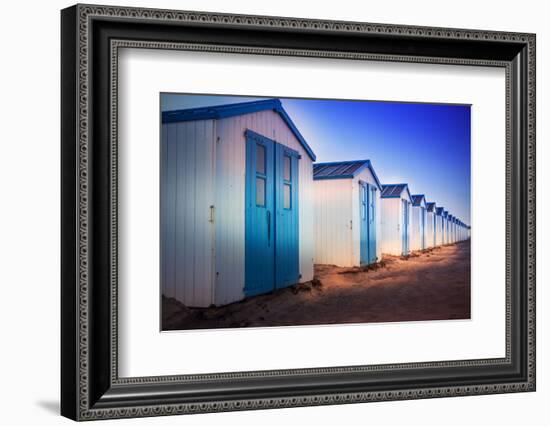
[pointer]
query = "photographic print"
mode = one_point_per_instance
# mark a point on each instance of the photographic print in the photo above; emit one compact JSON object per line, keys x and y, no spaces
{"x":291,"y":212}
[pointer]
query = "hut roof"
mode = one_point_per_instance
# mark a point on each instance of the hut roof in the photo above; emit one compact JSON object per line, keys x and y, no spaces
{"x":343,"y":170}
{"x":231,"y":110}
{"x":417,"y":199}
{"x":430,"y":207}
{"x":395,"y":190}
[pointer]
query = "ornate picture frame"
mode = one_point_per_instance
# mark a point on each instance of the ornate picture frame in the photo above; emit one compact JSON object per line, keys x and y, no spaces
{"x":91,"y":37}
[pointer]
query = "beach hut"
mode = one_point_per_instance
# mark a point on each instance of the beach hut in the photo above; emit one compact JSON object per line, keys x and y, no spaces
{"x":440,"y":227}
{"x":346,"y":213}
{"x":450,"y":220}
{"x":431,"y":225}
{"x":396,"y":219}
{"x":418,"y":222}
{"x":236,"y":203}
{"x":455,"y":229}
{"x":445,"y":227}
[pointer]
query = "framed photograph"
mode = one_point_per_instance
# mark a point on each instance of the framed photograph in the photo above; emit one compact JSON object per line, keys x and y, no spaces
{"x":263,"y":212}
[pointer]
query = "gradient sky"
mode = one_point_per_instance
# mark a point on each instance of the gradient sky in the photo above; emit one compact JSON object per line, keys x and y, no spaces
{"x":424,"y":145}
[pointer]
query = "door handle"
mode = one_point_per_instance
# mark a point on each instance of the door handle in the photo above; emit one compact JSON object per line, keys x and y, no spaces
{"x":211,"y":214}
{"x":268,"y":217}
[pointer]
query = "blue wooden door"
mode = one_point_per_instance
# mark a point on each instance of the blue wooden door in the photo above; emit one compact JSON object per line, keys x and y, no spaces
{"x":372,"y":223}
{"x":271,"y":216}
{"x":367,"y":227}
{"x":287,"y":268}
{"x":405,"y":228}
{"x":364,"y":223}
{"x":259,"y":216}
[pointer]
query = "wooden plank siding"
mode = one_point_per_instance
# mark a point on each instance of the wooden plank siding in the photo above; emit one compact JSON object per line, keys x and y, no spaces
{"x":187,"y":194}
{"x":392,"y":225}
{"x":439,"y":230}
{"x":333,"y":218}
{"x":391,"y":230}
{"x":430,"y":229}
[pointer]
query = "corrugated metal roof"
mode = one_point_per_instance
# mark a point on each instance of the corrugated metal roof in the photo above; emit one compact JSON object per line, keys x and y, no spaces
{"x":389,"y":191}
{"x":417,"y":199}
{"x":342,"y":170}
{"x":430,"y":207}
{"x":231,"y":110}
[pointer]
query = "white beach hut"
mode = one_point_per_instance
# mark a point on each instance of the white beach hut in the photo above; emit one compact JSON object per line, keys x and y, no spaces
{"x":452,"y":227}
{"x":236,"y":203}
{"x":347,"y":217}
{"x":418,"y":222}
{"x":445,"y":227}
{"x":396,"y":219}
{"x":431,"y":225}
{"x":440,"y":227}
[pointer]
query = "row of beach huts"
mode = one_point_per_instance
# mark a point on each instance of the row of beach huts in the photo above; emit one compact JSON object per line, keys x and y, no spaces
{"x":245,"y":209}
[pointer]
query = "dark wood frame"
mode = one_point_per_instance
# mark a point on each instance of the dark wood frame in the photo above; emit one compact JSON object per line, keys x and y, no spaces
{"x":90,"y":386}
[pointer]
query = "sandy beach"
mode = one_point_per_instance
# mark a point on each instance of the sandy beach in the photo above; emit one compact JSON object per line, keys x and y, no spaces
{"x":433,"y":284}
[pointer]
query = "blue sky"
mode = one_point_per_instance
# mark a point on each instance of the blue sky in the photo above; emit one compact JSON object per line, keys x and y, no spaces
{"x":424,"y":145}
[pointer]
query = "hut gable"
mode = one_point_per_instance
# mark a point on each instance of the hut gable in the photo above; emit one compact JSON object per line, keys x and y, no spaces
{"x":344,"y":170}
{"x":231,"y":110}
{"x":397,"y":190}
{"x":419,"y":200}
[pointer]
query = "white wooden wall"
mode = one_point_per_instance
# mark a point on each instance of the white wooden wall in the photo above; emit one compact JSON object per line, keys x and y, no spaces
{"x":187,"y":151}
{"x":430,"y":229}
{"x":439,"y":231}
{"x":391,"y":230}
{"x":453,"y":236}
{"x":333,"y":218}
{"x":416,"y":227}
{"x":230,"y":201}
{"x":392,"y":223}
